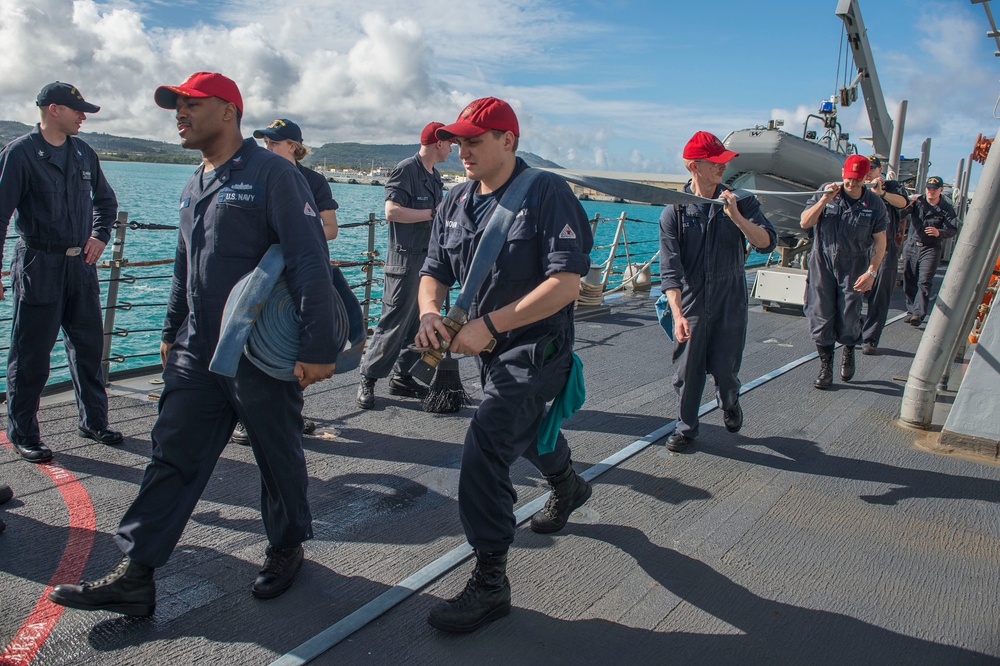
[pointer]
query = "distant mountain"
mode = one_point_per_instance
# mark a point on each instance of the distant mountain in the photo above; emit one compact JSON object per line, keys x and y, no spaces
{"x":115,"y":148}
{"x":357,"y":156}
{"x":367,"y":156}
{"x":10,"y":130}
{"x":364,"y":157}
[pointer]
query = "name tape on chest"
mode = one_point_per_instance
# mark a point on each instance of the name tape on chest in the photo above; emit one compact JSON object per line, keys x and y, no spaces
{"x":242,"y":193}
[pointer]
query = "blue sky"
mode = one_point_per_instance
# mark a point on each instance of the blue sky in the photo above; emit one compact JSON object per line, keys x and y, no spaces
{"x":611,"y":84}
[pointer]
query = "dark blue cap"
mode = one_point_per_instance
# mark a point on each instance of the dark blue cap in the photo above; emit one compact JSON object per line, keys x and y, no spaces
{"x":65,"y":94}
{"x":934,"y":182}
{"x":281,"y":129}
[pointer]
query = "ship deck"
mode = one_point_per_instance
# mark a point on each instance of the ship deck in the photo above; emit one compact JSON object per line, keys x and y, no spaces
{"x":821,"y":533}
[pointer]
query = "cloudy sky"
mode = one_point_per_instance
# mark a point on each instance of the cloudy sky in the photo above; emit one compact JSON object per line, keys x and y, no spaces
{"x":609,"y":84}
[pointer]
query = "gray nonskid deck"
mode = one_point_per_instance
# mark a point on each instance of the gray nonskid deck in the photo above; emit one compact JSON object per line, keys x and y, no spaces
{"x":818,"y":533}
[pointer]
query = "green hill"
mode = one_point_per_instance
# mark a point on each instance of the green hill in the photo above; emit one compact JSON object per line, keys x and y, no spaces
{"x":365,"y":157}
{"x":357,"y":156}
{"x":115,"y":148}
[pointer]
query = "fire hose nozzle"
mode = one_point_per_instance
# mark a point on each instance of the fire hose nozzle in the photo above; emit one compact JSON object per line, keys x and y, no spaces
{"x":425,"y":367}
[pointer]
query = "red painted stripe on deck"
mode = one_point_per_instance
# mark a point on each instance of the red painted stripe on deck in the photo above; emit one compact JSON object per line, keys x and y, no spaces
{"x":82,"y":524}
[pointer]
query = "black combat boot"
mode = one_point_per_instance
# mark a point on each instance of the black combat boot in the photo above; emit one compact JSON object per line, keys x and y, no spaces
{"x":278,"y":572}
{"x":569,"y":492}
{"x":128,"y":589}
{"x":486,"y":597}
{"x":406,"y":385}
{"x":6,"y":495}
{"x":825,"y":378}
{"x":366,"y":393}
{"x":847,"y":366}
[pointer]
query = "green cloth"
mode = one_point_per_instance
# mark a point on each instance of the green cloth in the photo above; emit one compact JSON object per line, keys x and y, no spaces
{"x":569,"y":400}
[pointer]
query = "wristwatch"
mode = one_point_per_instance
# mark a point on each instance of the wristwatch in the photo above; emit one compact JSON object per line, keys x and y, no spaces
{"x":872,"y":272}
{"x":490,"y":326}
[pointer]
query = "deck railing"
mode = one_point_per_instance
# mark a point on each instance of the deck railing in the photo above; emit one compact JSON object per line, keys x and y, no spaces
{"x":614,"y":276}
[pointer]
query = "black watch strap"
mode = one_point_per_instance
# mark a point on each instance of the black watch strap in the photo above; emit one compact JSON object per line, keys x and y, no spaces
{"x":490,"y":326}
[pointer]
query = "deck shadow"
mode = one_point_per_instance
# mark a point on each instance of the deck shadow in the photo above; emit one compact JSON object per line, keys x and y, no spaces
{"x":361,"y":444}
{"x":879,"y":386}
{"x":348,"y":501}
{"x":806,"y":457}
{"x":613,"y":423}
{"x":317,"y":590}
{"x":770,"y":631}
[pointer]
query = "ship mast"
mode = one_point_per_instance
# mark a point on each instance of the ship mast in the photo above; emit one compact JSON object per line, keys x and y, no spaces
{"x":857,"y":38}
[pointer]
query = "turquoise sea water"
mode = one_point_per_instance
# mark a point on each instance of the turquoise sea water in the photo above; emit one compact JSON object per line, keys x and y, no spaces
{"x":150,"y":194}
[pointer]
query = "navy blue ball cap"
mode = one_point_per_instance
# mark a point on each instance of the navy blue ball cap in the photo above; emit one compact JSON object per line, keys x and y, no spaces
{"x":281,"y":129}
{"x":935,"y":182}
{"x":65,"y":94}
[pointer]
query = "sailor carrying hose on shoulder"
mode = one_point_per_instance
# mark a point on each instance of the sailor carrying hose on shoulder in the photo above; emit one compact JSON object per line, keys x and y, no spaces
{"x":702,"y":274}
{"x":932,"y":220}
{"x":894,"y":195}
{"x":848,"y":223}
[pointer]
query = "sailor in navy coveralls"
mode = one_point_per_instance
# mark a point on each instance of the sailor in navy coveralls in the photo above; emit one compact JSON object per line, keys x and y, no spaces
{"x":848,"y":223}
{"x":702,"y":257}
{"x":932,"y":220}
{"x":284,"y":137}
{"x":412,"y":195}
{"x":894,"y":195}
{"x":65,"y":211}
{"x":526,"y":305}
{"x":239,"y":202}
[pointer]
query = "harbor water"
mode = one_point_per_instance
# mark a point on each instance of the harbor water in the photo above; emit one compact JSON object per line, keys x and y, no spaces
{"x":149,"y":193}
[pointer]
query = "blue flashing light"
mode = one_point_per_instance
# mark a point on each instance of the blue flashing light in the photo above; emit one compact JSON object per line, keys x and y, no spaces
{"x":826,"y":107}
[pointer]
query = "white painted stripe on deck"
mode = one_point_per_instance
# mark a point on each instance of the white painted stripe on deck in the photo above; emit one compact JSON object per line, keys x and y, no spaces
{"x":404,"y":589}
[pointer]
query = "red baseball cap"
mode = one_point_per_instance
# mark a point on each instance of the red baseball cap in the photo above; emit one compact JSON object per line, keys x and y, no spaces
{"x":706,"y":146}
{"x":480,"y":116}
{"x":429,"y":134}
{"x":200,"y":84}
{"x":857,"y":167}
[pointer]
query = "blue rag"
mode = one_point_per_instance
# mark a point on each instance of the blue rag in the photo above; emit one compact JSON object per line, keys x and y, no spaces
{"x":567,"y":403}
{"x":665,"y":315}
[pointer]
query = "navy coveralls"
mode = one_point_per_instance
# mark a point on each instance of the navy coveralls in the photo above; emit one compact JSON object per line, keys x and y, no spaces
{"x":922,"y":253}
{"x":320,"y":189}
{"x":842,"y":248}
{"x":530,"y":365}
{"x":702,"y":254}
{"x":57,"y":211}
{"x":880,"y":294}
{"x":256,"y":199}
{"x":411,"y":186}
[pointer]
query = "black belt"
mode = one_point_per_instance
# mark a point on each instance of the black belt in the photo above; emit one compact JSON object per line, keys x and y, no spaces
{"x":920,"y":244}
{"x":51,"y":248}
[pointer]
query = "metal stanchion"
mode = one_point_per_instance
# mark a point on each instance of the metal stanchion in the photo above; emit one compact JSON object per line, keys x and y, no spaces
{"x":117,"y":254}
